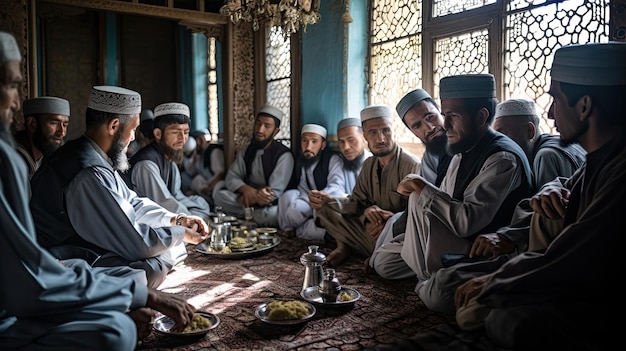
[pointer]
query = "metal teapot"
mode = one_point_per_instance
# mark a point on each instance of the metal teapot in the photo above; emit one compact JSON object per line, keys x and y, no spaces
{"x":313,"y":261}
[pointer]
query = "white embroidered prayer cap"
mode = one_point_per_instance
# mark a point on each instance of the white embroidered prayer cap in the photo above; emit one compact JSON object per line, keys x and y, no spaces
{"x":112,"y":99}
{"x":273,"y":112}
{"x":46,"y":104}
{"x":516,"y":107}
{"x":468,"y":86}
{"x":349,"y":122}
{"x":597,"y":64}
{"x":314,"y":128}
{"x":9,"y":51}
{"x":171,"y":108}
{"x":409,"y":100}
{"x":376,"y":111}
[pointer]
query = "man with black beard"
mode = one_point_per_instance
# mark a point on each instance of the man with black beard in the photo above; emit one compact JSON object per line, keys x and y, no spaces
{"x":155,"y":170}
{"x":45,"y":127}
{"x":487,"y":176}
{"x":317,"y":169}
{"x":81,"y":204}
{"x":260,"y":173}
{"x":421,"y":114}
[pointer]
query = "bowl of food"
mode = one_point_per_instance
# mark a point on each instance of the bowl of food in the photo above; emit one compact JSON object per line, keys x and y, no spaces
{"x":201,"y":323}
{"x":285,"y":312}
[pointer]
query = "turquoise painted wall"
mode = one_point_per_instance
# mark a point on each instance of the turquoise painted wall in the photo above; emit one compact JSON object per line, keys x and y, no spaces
{"x":333,"y":65}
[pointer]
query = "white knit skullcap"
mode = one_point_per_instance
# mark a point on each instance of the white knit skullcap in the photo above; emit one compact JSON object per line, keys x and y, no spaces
{"x":376,"y":111}
{"x":46,"y":104}
{"x":272,"y":111}
{"x":117,"y":100}
{"x":171,"y":108}
{"x":515,"y":107}
{"x":9,"y":51}
{"x":314,"y":128}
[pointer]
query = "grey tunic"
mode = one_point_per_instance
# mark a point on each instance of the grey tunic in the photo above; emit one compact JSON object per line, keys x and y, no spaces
{"x":344,"y":219}
{"x":226,"y":197}
{"x":45,"y":303}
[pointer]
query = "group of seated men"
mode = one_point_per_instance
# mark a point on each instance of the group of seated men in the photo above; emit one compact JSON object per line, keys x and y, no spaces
{"x":498,"y":222}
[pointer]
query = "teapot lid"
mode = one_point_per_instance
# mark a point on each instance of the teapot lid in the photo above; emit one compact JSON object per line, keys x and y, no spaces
{"x":313,"y":256}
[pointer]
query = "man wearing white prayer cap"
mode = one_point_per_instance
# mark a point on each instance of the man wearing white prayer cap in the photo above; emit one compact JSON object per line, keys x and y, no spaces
{"x":82,"y":308}
{"x":356,"y":222}
{"x":155,"y":169}
{"x":260,"y":173}
{"x":353,"y":150}
{"x":549,"y":158}
{"x":529,"y":303}
{"x":318,"y":168}
{"x":80,"y":199}
{"x":487,"y":176}
{"x":421,"y":114}
{"x":46,"y":119}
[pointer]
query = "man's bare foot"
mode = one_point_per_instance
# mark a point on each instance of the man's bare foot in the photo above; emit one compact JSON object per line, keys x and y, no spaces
{"x":366,"y":266}
{"x":338,"y":255}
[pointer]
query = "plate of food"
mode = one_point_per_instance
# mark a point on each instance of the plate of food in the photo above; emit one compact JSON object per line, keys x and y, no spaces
{"x":201,"y":323}
{"x":285,"y":312}
{"x":346,"y":298}
{"x":266,"y":230}
{"x":240,"y":250}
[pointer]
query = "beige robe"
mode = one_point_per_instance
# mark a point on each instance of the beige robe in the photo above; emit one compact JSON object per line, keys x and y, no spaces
{"x":344,"y":219}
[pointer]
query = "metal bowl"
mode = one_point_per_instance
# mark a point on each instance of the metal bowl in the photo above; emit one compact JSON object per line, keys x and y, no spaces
{"x":163,"y":325}
{"x":265,"y":239}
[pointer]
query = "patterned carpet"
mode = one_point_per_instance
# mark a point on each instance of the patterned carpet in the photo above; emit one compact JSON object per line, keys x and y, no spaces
{"x":387,"y":313}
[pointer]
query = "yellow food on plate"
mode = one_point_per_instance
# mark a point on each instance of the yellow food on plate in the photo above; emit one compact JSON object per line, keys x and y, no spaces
{"x":239,"y":243}
{"x":344,"y":296}
{"x":284,"y":310}
{"x":198,"y":322}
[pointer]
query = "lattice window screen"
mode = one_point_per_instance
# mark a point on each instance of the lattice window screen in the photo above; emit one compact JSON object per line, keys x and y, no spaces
{"x":532,"y":36}
{"x":396,"y":63}
{"x":278,"y":77}
{"x":213,"y":102}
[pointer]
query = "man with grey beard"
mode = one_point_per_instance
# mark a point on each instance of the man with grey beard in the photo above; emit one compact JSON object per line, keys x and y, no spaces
{"x":155,"y":170}
{"x":80,"y":201}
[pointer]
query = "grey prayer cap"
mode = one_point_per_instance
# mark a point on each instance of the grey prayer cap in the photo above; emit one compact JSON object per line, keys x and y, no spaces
{"x":468,"y":86}
{"x":376,"y":111}
{"x":272,"y":111}
{"x":171,"y":108}
{"x":46,"y":104}
{"x":597,"y":64}
{"x":411,"y":99}
{"x":349,"y":122}
{"x":9,"y":51}
{"x":117,"y":100}
{"x":515,"y":107}
{"x":199,"y":132}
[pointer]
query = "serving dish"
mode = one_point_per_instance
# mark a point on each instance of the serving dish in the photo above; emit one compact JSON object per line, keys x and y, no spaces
{"x":266,"y":230}
{"x":262,"y":314}
{"x":163,"y":325}
{"x":257,"y":250}
{"x":312,"y":295}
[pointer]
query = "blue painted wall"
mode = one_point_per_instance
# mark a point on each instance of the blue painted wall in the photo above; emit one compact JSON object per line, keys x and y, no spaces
{"x":333,"y":66}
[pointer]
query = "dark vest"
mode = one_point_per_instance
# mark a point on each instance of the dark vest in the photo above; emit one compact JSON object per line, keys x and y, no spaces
{"x":320,"y":172}
{"x":574,"y":152}
{"x":269,"y":158}
{"x":48,"y":186}
{"x":151,"y":152}
{"x":442,"y":167}
{"x":473,"y":161}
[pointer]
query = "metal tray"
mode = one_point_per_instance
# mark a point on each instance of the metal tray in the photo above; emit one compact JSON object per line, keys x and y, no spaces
{"x":312,"y":295}
{"x":204,"y":248}
{"x":163,"y":325}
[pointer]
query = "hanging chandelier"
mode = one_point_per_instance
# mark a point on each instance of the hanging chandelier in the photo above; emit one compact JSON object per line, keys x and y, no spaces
{"x":290,"y":15}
